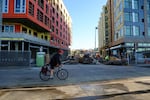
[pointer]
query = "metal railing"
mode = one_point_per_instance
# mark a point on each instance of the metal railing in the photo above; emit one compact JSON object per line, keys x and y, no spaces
{"x":15,"y":58}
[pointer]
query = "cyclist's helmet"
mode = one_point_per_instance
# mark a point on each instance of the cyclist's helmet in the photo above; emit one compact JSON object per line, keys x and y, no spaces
{"x":60,"y":51}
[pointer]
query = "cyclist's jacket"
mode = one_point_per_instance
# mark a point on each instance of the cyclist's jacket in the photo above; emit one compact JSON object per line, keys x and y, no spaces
{"x":56,"y":59}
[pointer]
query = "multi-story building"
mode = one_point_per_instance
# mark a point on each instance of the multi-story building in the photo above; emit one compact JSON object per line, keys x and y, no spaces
{"x":35,"y":25}
{"x":105,"y":29}
{"x":101,"y":33}
{"x":61,"y":25}
{"x":130,"y":26}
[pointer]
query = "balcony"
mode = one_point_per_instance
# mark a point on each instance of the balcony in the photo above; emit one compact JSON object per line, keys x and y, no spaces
{"x":23,"y":37}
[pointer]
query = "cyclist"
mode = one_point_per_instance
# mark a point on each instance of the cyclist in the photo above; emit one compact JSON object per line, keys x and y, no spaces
{"x":55,"y":61}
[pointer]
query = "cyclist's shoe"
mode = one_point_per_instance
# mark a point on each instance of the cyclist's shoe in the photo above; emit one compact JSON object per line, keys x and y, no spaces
{"x":51,"y":77}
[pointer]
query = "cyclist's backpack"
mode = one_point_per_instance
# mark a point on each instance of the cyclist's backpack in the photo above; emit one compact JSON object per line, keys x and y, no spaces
{"x":44,"y":69}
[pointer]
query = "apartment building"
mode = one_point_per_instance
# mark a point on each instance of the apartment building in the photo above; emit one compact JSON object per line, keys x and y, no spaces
{"x":31,"y":26}
{"x":101,"y":33}
{"x":130,"y":26}
{"x":105,"y":27}
{"x":61,"y":25}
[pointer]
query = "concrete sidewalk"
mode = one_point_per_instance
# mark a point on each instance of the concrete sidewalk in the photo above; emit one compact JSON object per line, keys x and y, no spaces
{"x":122,"y":89}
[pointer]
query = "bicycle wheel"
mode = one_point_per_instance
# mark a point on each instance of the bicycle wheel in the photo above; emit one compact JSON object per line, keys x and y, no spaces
{"x":44,"y":75}
{"x":62,"y":74}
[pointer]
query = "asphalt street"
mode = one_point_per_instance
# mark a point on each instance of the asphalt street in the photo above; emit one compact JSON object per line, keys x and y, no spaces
{"x":29,"y":77}
{"x":85,"y":82}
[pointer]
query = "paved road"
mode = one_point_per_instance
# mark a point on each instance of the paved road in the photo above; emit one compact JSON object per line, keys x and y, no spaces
{"x":28,"y":77}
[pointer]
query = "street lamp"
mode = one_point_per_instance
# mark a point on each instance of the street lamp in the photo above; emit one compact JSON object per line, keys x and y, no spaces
{"x":95,"y":36}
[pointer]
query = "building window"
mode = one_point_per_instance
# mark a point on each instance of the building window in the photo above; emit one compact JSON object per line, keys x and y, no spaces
{"x":129,"y":44}
{"x":52,"y":38}
{"x":20,"y":6}
{"x":31,"y":9}
{"x":136,"y":31}
{"x":53,"y":29}
{"x":121,"y":32}
{"x":8,"y":28}
{"x":11,"y":28}
{"x":24,"y":30}
{"x":41,"y":3}
{"x":148,"y":18}
{"x":61,"y":20}
{"x":30,"y":32}
{"x":61,"y":13}
{"x":128,"y":30}
{"x":56,"y":23}
{"x":39,"y":15}
{"x":115,"y":37}
{"x":61,"y":27}
{"x":53,"y":2}
{"x":35,"y":34}
{"x":5,"y":6}
{"x":128,"y":16}
{"x":56,"y":31}
{"x":135,"y":17}
{"x":57,"y":15}
{"x":46,"y":21}
{"x":135,"y":4}
{"x":53,"y":10}
{"x":60,"y":34}
{"x":53,"y":19}
{"x":41,"y":36}
{"x":128,"y":4}
{"x":148,"y":31}
{"x":58,"y":41}
{"x":47,"y":9}
{"x":46,"y":38}
{"x":57,"y":7}
{"x":148,"y":5}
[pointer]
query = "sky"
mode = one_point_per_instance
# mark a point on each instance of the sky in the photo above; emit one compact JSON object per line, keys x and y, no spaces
{"x":85,"y":15}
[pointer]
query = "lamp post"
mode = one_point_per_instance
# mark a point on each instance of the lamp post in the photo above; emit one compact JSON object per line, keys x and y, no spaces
{"x":95,"y":37}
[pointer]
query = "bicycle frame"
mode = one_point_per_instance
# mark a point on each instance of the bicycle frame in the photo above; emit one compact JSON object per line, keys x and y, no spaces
{"x":61,"y":73}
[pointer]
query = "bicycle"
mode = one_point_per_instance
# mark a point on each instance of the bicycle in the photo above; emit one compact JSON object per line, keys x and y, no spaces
{"x":61,"y":73}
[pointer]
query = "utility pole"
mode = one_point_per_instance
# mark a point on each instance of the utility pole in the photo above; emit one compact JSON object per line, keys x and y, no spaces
{"x":95,"y":37}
